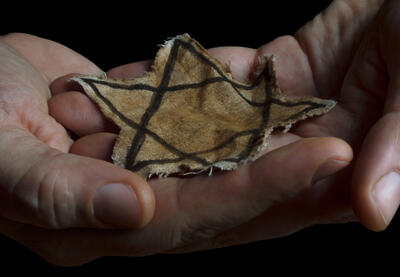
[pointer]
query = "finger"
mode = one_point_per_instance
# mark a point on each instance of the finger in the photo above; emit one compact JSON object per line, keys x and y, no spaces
{"x":278,"y":222}
{"x":64,"y":84}
{"x":242,"y":61}
{"x":233,"y":198}
{"x":98,"y":146}
{"x":188,"y":211}
{"x":44,"y":187}
{"x":324,"y":203}
{"x":76,"y":112}
{"x":327,"y":202}
{"x":292,"y":67}
{"x":50,"y":58}
{"x":376,"y":185}
{"x":131,"y":70}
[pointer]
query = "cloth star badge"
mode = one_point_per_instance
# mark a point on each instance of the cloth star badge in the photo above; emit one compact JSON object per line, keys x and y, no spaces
{"x":188,"y":114}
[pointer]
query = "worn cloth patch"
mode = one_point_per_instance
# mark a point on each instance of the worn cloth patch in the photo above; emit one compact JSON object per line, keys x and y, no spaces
{"x":188,"y":114}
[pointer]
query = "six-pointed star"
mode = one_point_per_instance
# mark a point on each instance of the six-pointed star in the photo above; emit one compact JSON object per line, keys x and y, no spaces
{"x":189,"y":114}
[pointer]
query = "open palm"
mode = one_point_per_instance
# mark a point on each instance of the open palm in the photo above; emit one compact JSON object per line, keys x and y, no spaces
{"x":283,"y":191}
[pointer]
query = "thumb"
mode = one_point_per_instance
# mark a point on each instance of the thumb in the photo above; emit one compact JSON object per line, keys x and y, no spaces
{"x":376,"y":71}
{"x":376,"y":180}
{"x":234,"y":198}
{"x":44,"y":187}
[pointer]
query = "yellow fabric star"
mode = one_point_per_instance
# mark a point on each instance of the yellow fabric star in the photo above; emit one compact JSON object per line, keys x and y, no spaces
{"x":188,"y":114}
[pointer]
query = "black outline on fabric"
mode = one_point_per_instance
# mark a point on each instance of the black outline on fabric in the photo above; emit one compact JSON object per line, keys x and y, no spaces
{"x":159,"y":92}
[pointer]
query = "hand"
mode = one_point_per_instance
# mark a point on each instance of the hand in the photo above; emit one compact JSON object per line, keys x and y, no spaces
{"x":273,"y":197}
{"x":41,"y":184}
{"x":352,"y":49}
{"x":52,"y":182}
{"x":372,"y":88}
{"x":316,"y":61}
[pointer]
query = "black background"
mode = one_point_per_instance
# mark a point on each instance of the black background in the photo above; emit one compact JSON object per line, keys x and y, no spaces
{"x":116,"y":33}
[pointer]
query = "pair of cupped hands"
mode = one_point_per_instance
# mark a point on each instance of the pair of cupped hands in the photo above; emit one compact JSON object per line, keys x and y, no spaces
{"x":63,"y":199}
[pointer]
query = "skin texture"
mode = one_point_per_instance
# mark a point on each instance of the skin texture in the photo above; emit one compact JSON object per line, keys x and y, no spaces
{"x":347,"y":53}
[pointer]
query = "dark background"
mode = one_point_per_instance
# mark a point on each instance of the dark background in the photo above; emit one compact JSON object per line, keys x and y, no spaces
{"x":116,"y":33}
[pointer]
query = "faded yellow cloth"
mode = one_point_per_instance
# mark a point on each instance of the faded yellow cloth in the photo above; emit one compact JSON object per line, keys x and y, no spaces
{"x":188,"y":113}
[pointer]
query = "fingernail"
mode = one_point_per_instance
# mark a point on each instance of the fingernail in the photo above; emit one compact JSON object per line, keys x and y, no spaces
{"x":117,"y":205}
{"x":386,"y":195}
{"x":327,"y":169}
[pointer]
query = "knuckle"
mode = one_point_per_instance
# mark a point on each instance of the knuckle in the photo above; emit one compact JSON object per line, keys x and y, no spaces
{"x":194,"y":232}
{"x":44,"y":195}
{"x":48,"y":209}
